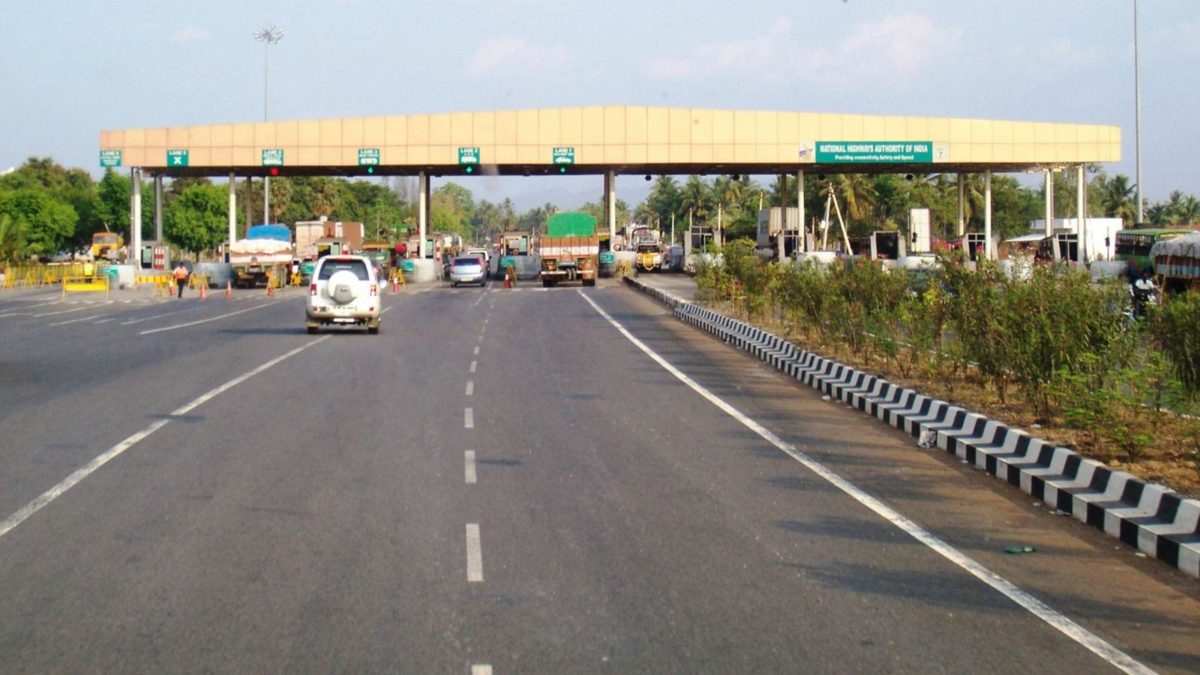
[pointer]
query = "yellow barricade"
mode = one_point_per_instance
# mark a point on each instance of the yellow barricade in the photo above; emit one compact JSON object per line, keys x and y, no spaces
{"x":85,"y":285}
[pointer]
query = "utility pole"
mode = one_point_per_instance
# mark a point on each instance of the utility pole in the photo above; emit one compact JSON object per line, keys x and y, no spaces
{"x":267,"y":36}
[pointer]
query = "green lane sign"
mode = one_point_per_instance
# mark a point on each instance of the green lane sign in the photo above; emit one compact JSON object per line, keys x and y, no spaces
{"x":272,"y":157}
{"x":564,"y":155}
{"x":468,"y":155}
{"x":110,"y":159}
{"x":368,"y":156}
{"x":874,"y":152}
{"x":177,"y":158}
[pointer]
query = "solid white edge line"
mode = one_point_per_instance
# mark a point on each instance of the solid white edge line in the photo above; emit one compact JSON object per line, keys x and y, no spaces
{"x":468,"y":418}
{"x":474,"y":554}
{"x":214,"y":318}
{"x":22,"y":514}
{"x":156,"y":316}
{"x":469,"y":474}
{"x":1066,"y":626}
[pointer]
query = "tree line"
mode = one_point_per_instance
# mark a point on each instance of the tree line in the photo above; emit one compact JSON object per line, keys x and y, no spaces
{"x":46,"y":209}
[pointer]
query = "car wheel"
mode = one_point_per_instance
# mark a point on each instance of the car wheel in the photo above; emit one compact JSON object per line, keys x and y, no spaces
{"x":312,"y":330}
{"x":373,"y":330}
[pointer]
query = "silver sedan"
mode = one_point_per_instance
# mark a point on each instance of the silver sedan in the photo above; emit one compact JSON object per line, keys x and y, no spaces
{"x":468,"y":270}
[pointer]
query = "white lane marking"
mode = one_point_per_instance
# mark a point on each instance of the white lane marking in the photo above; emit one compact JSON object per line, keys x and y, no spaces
{"x":473,"y":366}
{"x":470,"y":387}
{"x":468,"y":418}
{"x":156,"y":316}
{"x":71,"y":321}
{"x":105,"y":320}
{"x":477,"y":300}
{"x":91,"y":467}
{"x":477,"y":351}
{"x":200,"y":321}
{"x":470,"y":470}
{"x":65,"y":311}
{"x":481,"y":669}
{"x":485,"y":320}
{"x":385,"y":310}
{"x":481,"y":337}
{"x":474,"y":554}
{"x":1066,"y":626}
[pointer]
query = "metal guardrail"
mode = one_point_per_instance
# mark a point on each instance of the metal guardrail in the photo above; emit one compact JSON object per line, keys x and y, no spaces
{"x":51,"y":274}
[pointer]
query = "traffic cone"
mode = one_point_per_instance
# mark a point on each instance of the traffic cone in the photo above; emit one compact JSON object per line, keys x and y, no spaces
{"x":228,"y":290}
{"x":203,"y":291}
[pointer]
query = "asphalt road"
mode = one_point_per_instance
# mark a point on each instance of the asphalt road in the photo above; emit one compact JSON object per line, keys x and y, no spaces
{"x":503,"y":481}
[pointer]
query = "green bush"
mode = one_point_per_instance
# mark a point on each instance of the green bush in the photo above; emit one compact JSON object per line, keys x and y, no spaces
{"x":1175,"y":329}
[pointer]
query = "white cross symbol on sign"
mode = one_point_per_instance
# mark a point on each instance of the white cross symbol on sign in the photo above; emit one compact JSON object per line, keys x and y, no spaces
{"x":178,"y":160}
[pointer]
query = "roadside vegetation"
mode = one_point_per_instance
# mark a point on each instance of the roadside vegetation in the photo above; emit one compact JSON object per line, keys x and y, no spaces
{"x":1053,"y":354}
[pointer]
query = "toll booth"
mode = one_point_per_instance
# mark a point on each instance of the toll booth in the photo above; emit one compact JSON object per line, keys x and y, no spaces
{"x":975,"y":244}
{"x":887,"y":245}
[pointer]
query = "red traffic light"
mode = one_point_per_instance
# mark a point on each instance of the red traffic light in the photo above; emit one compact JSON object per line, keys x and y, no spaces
{"x":274,"y":171}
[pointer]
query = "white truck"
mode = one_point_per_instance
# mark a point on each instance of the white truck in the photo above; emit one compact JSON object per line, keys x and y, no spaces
{"x":266,"y":249}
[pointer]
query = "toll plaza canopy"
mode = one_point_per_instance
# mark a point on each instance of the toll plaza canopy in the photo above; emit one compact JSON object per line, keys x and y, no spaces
{"x":610,"y":139}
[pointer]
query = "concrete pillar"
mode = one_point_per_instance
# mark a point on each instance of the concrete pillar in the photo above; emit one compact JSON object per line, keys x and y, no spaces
{"x":158,"y":214}
{"x":422,"y":212}
{"x":1081,"y":212}
{"x":135,"y":216}
{"x":1049,"y":203}
{"x":232,"y":212}
{"x":249,"y":219}
{"x":987,"y":214}
{"x":779,"y":245}
{"x":962,"y":205}
{"x":266,"y":200}
{"x":803,"y":243}
{"x":610,"y":204}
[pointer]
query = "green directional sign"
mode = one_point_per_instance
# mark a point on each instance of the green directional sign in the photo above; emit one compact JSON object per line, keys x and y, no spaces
{"x":272,"y":157}
{"x":368,"y":156}
{"x":177,"y":158}
{"x":468,"y":155}
{"x":564,"y":155}
{"x":874,"y":152}
{"x":110,"y":159}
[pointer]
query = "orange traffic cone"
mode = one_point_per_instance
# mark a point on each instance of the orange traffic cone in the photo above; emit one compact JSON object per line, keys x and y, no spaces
{"x":228,"y":290}
{"x":203,"y":291}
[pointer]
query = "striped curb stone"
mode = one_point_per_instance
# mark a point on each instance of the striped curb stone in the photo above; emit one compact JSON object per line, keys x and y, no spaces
{"x":1151,"y":518}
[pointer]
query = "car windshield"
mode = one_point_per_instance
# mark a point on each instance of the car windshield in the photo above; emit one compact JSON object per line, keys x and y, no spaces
{"x":331,"y":267}
{"x":466,"y":262}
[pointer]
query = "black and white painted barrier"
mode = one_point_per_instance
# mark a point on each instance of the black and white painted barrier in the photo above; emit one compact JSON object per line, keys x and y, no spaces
{"x":1151,"y":518}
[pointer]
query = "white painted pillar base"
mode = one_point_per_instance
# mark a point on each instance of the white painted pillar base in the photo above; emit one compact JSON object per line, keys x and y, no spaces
{"x":422,"y":211}
{"x":962,"y":205}
{"x":987,"y":215}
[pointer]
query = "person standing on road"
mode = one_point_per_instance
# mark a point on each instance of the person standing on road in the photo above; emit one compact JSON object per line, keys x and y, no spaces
{"x":181,"y":275}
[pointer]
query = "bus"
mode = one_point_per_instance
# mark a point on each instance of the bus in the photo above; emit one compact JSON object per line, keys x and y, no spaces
{"x":1133,"y":246}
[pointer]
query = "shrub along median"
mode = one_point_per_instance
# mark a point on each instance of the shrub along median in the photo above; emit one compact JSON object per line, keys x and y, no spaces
{"x":1052,"y":352}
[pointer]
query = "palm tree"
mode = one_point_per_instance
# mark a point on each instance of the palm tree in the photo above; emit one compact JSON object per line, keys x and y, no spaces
{"x":12,"y":238}
{"x":695,"y":198}
{"x":1116,"y":197}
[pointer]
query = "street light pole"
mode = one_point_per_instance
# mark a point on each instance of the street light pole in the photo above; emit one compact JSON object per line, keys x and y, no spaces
{"x":1137,"y":103}
{"x":267,"y":36}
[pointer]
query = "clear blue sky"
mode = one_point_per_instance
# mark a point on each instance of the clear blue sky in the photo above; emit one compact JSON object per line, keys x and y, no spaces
{"x":73,"y":68}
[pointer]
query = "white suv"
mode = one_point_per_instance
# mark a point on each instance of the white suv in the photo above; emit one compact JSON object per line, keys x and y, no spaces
{"x":344,"y":291}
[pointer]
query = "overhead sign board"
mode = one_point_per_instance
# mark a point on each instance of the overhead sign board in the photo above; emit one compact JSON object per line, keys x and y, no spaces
{"x":874,"y":152}
{"x":368,"y":156}
{"x":272,"y":157}
{"x":177,"y":158}
{"x":110,"y":158}
{"x":468,"y":155}
{"x":564,"y":155}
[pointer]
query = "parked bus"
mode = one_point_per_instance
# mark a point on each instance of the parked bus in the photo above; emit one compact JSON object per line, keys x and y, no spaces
{"x":1133,"y":246}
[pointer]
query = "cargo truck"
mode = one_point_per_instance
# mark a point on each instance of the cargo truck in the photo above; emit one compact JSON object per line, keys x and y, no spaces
{"x":570,"y":250}
{"x":266,"y":248}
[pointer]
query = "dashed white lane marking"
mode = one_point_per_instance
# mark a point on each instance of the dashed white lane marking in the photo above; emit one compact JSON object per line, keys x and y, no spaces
{"x":477,"y":351}
{"x":470,"y":387}
{"x":473,"y":366}
{"x":468,"y":418}
{"x":474,"y":554}
{"x":481,"y":669}
{"x":115,"y":451}
{"x":470,"y":470}
{"x":481,"y":336}
{"x":64,"y":311}
{"x":151,"y":318}
{"x":1066,"y":626}
{"x":71,"y":321}
{"x":200,"y":321}
{"x":106,"y":320}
